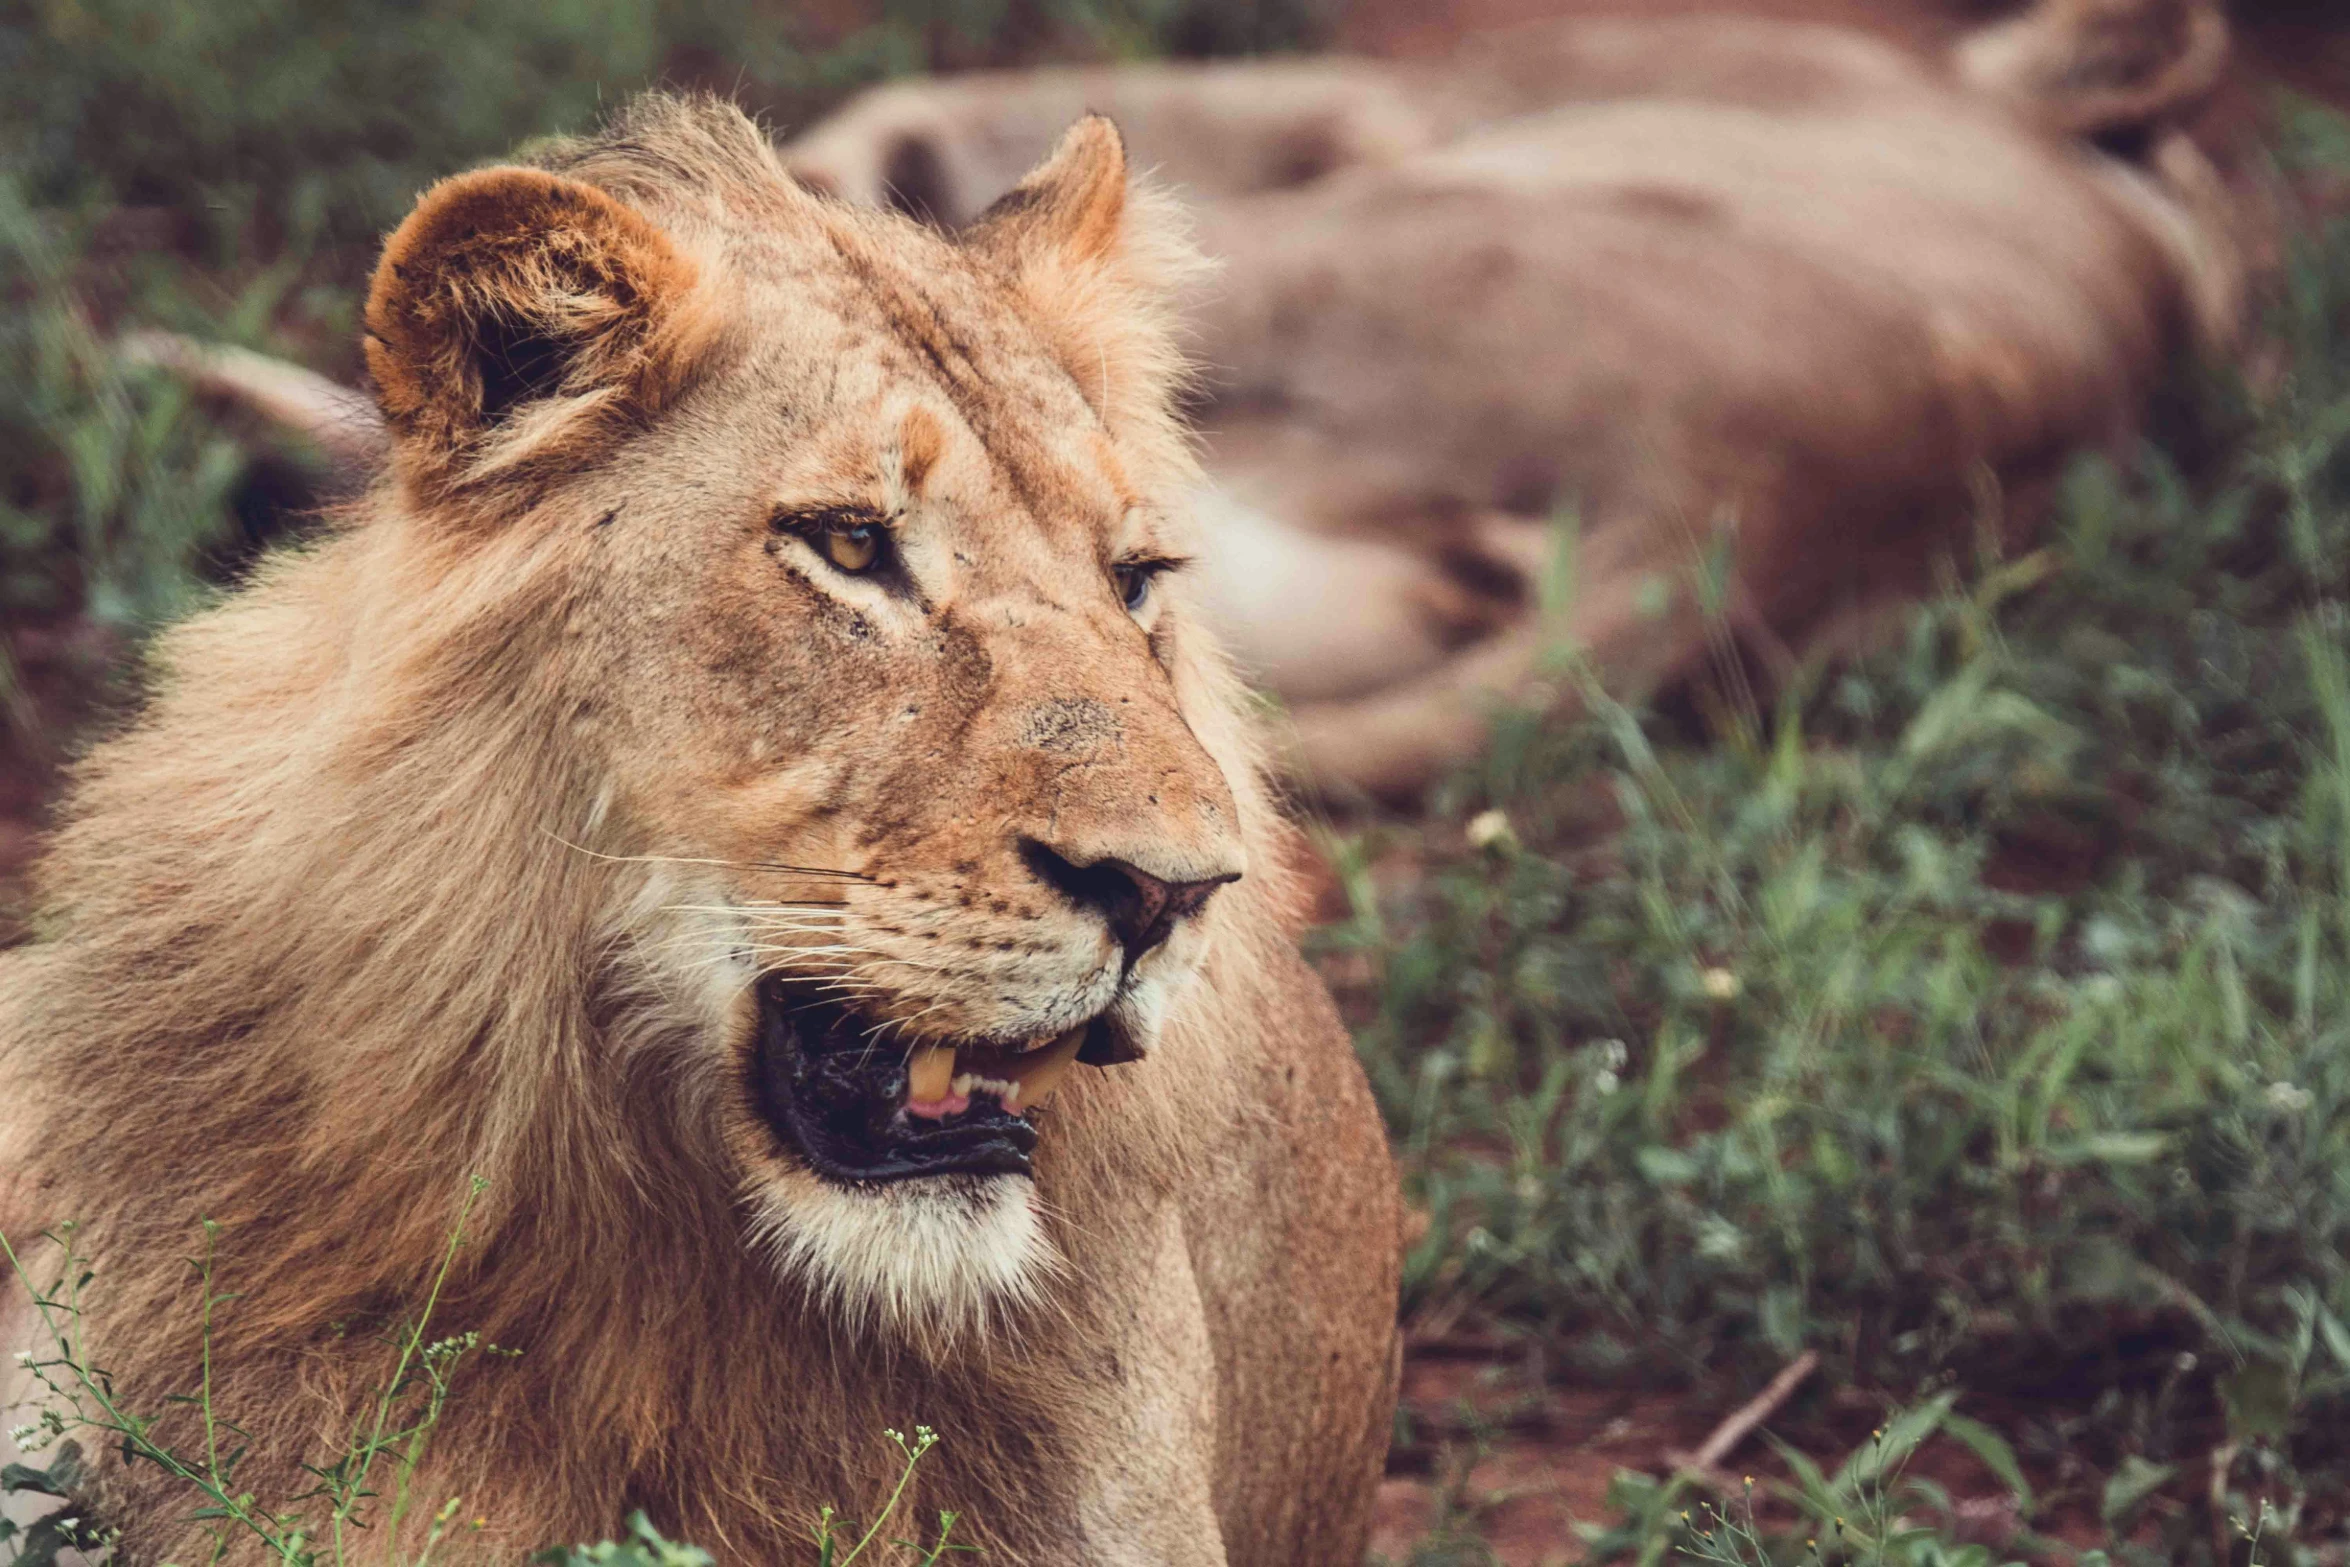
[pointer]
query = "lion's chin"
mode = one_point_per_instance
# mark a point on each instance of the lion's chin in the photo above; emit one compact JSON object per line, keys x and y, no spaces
{"x":928,"y":1261}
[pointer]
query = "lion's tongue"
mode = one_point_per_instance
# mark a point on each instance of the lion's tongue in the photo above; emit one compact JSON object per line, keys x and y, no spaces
{"x":1021,"y":1082}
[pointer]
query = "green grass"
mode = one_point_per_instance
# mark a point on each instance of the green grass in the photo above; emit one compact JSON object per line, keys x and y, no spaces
{"x":114,"y":484}
{"x":364,"y":1486}
{"x":1978,"y":1015}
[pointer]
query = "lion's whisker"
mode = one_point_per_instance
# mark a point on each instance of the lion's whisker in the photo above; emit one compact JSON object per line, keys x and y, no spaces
{"x":799,"y":906}
{"x":736,"y":865}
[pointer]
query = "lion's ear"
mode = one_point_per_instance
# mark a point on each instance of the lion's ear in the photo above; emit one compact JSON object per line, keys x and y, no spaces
{"x":1071,"y":207}
{"x":514,"y":312}
{"x":1102,"y":262}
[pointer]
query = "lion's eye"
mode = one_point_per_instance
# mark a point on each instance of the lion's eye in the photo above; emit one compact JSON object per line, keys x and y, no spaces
{"x":853,"y":541}
{"x":1137,"y":580}
{"x":852,"y":550}
{"x":1134,"y":580}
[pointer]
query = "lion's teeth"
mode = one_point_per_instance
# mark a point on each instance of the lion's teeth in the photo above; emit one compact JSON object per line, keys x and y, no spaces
{"x":1042,"y":1072}
{"x":1020,"y":1081}
{"x":968,"y":1083}
{"x":930,"y":1073}
{"x":1036,"y":1088}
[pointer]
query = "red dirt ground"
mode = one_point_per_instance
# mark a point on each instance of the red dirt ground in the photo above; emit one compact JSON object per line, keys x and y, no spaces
{"x":1523,"y":1463}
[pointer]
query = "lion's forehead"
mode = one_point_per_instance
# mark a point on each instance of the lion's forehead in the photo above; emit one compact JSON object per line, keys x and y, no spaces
{"x":914,"y":307}
{"x":852,"y":366}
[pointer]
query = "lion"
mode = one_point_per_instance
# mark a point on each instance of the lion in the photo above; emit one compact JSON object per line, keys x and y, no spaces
{"x":748,"y":783}
{"x":1772,"y":319}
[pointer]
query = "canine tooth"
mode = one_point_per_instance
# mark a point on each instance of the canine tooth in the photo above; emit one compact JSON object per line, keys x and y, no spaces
{"x":1036,"y":1088}
{"x":930,"y":1073}
{"x":1042,"y":1073}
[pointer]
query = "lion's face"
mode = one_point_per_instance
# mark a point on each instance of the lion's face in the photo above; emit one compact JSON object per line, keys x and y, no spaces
{"x":901,"y":700}
{"x":887,"y":682}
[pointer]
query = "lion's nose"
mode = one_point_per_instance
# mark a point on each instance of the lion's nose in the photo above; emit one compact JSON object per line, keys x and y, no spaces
{"x":1141,"y":908}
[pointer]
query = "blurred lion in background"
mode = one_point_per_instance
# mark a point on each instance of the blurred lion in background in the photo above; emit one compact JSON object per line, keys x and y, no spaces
{"x":747,"y":781}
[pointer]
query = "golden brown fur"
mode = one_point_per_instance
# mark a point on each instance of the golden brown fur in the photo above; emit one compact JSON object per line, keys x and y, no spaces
{"x":449,"y":845}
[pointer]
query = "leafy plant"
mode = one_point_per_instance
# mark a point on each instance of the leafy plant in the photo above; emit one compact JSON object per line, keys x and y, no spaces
{"x":1868,"y":1513}
{"x":644,"y":1547}
{"x":832,"y":1530}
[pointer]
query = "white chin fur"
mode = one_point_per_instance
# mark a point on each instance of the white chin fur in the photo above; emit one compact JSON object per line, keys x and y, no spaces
{"x":928,"y":1260}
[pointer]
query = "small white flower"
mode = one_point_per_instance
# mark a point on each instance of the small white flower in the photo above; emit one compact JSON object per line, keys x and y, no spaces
{"x":68,"y":1523}
{"x":24,"y":1357}
{"x":2291,"y":1098}
{"x":2102,"y":989}
{"x":1489,"y":829}
{"x":1615,"y":1053}
{"x":1720,"y":984}
{"x":1606,"y":1081}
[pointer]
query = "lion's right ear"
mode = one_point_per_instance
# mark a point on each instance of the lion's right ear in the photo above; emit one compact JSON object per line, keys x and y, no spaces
{"x":514,"y":313}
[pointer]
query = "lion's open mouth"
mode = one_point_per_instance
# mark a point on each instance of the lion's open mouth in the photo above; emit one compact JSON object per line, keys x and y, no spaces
{"x":857,"y":1108}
